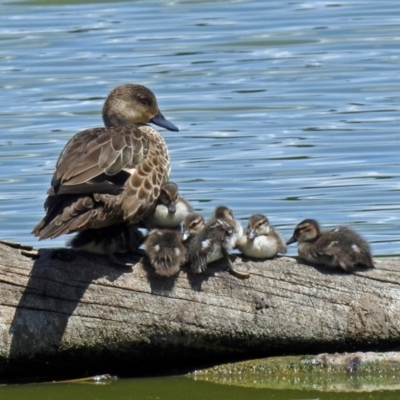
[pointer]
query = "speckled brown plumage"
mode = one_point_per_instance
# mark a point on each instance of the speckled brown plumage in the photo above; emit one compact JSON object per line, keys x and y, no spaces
{"x":341,"y":247}
{"x":106,"y":176}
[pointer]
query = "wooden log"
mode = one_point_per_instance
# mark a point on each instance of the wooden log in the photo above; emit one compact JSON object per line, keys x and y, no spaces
{"x":85,"y":316}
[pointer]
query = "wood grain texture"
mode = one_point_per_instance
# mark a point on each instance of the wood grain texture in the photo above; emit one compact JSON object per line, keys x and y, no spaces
{"x":84,"y":315}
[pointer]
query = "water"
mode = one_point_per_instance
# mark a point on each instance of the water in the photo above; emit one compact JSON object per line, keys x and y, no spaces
{"x":285,"y":108}
{"x":288,"y":108}
{"x":174,"y":388}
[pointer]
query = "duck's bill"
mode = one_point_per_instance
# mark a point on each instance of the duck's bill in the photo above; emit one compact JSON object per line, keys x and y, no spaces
{"x":250,"y":235}
{"x":291,"y":240}
{"x":172,"y":207}
{"x":185,"y":235}
{"x":160,"y":120}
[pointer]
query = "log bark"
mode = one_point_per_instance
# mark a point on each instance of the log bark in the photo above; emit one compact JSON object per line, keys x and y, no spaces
{"x":85,"y":316}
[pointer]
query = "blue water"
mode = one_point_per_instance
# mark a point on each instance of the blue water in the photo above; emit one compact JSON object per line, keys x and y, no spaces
{"x":290,"y":109}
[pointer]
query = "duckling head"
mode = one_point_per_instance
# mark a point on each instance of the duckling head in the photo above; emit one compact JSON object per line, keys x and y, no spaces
{"x":222,"y":212}
{"x":306,"y":231}
{"x":169,"y":196}
{"x":258,"y":225}
{"x":132,"y":104}
{"x":192,"y":225}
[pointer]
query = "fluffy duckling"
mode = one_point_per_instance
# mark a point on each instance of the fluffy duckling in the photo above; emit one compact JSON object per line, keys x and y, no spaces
{"x":192,"y":225}
{"x":260,"y":239}
{"x":166,"y":251}
{"x":110,"y":175}
{"x":171,"y":209}
{"x":225,"y":214}
{"x":341,"y":247}
{"x":211,"y":241}
{"x":112,"y":240}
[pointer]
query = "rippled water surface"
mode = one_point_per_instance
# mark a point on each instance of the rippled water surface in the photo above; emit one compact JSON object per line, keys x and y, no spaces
{"x":288,"y":108}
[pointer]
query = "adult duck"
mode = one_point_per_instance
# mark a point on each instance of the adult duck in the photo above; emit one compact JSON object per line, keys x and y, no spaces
{"x":111,"y":175}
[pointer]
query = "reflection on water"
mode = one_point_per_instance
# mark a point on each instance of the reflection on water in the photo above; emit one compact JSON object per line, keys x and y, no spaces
{"x":285,"y":108}
{"x":175,"y":388}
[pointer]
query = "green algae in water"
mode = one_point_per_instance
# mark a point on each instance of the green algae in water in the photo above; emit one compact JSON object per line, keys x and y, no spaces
{"x":351,"y":374}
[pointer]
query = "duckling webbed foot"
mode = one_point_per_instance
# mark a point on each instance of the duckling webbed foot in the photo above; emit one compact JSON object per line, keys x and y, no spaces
{"x":241,"y":273}
{"x":115,"y":260}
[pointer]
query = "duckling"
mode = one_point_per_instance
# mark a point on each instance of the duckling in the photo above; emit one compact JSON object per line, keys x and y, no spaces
{"x":225,"y":214}
{"x":211,"y":241}
{"x":192,"y":225}
{"x":111,"y":240}
{"x":261,"y":240}
{"x":111,"y":175}
{"x":341,"y":247}
{"x":166,"y":251}
{"x":171,"y":209}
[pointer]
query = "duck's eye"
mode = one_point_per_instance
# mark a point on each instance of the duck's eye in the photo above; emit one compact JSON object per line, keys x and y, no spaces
{"x":145,"y":101}
{"x":164,"y":198}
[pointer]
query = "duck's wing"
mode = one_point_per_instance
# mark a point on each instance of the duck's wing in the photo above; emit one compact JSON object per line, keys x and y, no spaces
{"x":335,"y":252}
{"x":90,"y":176}
{"x":98,"y":160}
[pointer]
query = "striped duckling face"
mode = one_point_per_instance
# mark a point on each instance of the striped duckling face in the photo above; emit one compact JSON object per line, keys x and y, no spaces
{"x":258,"y":225}
{"x":192,"y":225}
{"x":306,"y":231}
{"x":169,"y":196}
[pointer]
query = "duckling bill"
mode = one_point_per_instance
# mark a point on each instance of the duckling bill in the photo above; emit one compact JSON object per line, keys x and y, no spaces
{"x":110,"y":175}
{"x":341,"y":247}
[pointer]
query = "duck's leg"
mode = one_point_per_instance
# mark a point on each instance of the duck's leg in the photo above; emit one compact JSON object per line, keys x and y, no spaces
{"x":234,"y":271}
{"x":139,"y":252}
{"x":115,"y":260}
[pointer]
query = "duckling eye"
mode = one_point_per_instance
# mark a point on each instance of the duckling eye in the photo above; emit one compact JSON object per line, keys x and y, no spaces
{"x":144,"y":100}
{"x":164,"y":198}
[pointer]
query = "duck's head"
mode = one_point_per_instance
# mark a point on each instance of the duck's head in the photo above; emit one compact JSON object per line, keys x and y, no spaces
{"x":306,"y":231}
{"x":258,"y":225}
{"x":169,"y":195}
{"x":192,"y":224}
{"x":131,"y":104}
{"x":223,"y":212}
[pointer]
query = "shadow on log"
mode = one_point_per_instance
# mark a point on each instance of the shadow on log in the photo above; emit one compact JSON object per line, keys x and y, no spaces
{"x":82,"y":317}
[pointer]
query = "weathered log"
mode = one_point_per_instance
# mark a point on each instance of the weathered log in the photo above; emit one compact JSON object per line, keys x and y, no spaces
{"x":86,"y":316}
